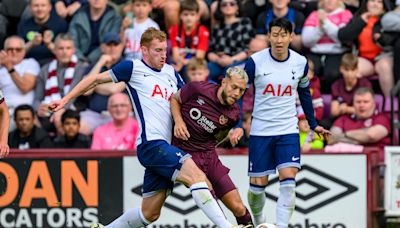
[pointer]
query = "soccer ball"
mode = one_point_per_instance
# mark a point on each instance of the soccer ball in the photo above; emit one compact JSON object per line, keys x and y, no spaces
{"x":266,"y":225}
{"x":96,"y":225}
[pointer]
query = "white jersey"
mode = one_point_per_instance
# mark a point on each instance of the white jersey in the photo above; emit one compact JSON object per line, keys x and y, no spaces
{"x":133,"y":36}
{"x":150,"y":91}
{"x":275,"y":84}
{"x":1,"y":97}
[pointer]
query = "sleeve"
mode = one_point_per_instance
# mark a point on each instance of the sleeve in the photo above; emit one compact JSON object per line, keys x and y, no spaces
{"x":122,"y":72}
{"x":382,"y":119}
{"x":203,"y":38}
{"x":332,"y":29}
{"x":190,"y":90}
{"x":74,"y":34}
{"x":349,"y":33}
{"x":40,"y":87}
{"x":261,"y":27}
{"x":299,"y":23}
{"x":304,"y":81}
{"x":32,"y":67}
{"x":311,"y":32}
{"x":307,"y":105}
{"x":179,"y":80}
{"x":250,"y":68}
{"x":173,"y":33}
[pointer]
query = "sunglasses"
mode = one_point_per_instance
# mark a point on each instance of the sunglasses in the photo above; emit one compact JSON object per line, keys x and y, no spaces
{"x":10,"y":49}
{"x":225,"y":4}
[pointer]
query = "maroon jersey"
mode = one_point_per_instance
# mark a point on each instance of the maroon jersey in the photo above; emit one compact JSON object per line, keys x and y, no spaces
{"x":342,"y":95}
{"x":204,"y":116}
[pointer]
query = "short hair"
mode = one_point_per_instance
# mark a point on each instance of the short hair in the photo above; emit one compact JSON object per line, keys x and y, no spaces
{"x":148,"y":1}
{"x":349,"y":61}
{"x":189,"y":5}
{"x":282,"y":23}
{"x":23,"y":107}
{"x":239,"y":72}
{"x":364,"y":90}
{"x":63,"y":36}
{"x":14,"y":37}
{"x":196,"y":63}
{"x":150,"y":34}
{"x":70,"y":114}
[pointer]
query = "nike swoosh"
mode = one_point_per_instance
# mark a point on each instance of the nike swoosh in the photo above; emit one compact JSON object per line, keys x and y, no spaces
{"x":266,"y":74}
{"x":147,"y":75}
{"x":295,"y":159}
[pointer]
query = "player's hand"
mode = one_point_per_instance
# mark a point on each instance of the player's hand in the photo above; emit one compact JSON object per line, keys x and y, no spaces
{"x":4,"y":149}
{"x":181,"y":131}
{"x":322,"y":132}
{"x":57,"y":105}
{"x":235,"y":135}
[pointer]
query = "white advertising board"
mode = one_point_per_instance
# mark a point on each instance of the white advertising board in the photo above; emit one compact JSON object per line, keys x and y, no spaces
{"x":331,"y":193}
{"x":392,"y":181}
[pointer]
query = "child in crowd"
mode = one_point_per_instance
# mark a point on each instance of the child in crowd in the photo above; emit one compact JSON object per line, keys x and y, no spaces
{"x":188,"y":38}
{"x":134,"y":25}
{"x":197,"y":70}
{"x":344,"y":88}
{"x":70,"y":120}
{"x":308,"y":139}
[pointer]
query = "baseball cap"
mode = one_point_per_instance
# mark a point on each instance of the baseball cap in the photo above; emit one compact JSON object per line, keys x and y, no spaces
{"x":111,"y":37}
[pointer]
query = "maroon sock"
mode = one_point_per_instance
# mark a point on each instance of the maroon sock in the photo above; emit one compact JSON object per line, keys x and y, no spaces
{"x":245,"y":219}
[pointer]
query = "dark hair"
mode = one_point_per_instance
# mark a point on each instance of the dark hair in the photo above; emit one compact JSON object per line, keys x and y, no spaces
{"x":387,"y":6}
{"x":23,"y":107}
{"x":189,"y":5}
{"x":282,"y":23}
{"x":219,"y":16}
{"x":70,"y":114}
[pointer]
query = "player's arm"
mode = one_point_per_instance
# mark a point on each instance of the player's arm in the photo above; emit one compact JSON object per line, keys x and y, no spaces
{"x":86,"y":84}
{"x":4,"y":124}
{"x":180,"y":129}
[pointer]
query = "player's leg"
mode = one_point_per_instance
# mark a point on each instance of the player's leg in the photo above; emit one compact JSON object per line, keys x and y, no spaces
{"x":192,"y":176}
{"x":288,"y":164}
{"x":141,"y":217}
{"x":225,"y":189}
{"x":261,"y":164}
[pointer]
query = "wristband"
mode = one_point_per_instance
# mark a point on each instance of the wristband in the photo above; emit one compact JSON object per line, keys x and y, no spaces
{"x":12,"y":70}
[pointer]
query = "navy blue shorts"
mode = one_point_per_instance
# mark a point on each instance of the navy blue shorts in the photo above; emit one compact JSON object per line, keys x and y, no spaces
{"x":268,"y":153}
{"x":162,"y":162}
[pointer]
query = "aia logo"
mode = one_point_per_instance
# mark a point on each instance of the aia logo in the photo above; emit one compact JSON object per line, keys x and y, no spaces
{"x":279,"y":90}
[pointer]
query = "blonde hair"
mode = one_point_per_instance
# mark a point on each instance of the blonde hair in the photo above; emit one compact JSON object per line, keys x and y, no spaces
{"x":237,"y":71}
{"x":150,"y":34}
{"x":196,"y":63}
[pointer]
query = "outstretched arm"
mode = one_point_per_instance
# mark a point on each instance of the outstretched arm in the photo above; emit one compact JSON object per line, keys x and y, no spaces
{"x":86,"y":84}
{"x":4,"y":124}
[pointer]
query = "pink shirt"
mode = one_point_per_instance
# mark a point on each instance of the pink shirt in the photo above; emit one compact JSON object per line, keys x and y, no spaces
{"x":107,"y":136}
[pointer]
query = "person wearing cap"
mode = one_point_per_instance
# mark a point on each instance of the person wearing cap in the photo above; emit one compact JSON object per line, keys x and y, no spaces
{"x":96,"y":113}
{"x":56,"y":79}
{"x":89,"y":25}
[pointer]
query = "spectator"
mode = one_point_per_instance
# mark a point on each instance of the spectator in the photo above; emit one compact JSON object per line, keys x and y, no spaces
{"x":343,"y":89}
{"x":70,"y":120}
{"x":366,"y":126}
{"x":122,"y":131}
{"x":229,"y":39}
{"x":27,"y":135}
{"x":40,"y":29}
{"x":320,"y":34}
{"x":67,"y":8}
{"x":197,"y":70}
{"x":96,"y":112}
{"x":90,"y":24}
{"x":308,"y":138}
{"x":364,"y":31}
{"x":280,"y":8}
{"x":188,"y":38}
{"x":56,"y":79}
{"x":18,"y":74}
{"x":134,"y":25}
{"x":4,"y":124}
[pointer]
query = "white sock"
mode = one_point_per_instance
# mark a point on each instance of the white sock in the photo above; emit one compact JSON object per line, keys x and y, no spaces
{"x":286,"y":202}
{"x":132,"y":218}
{"x":256,"y":199}
{"x":205,"y":201}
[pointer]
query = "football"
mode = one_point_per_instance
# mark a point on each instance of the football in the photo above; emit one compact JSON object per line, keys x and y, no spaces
{"x":266,"y":225}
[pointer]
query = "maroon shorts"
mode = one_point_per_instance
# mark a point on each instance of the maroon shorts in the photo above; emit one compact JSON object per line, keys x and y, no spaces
{"x":215,"y":171}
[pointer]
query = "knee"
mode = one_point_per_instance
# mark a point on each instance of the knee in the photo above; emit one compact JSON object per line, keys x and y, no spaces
{"x":151,"y":216}
{"x":259,"y":181}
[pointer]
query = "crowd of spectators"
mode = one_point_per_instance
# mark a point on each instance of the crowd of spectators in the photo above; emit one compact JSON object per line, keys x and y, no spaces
{"x":48,"y":46}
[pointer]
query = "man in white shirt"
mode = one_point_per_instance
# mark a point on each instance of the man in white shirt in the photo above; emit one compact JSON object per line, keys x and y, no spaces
{"x":4,"y":124}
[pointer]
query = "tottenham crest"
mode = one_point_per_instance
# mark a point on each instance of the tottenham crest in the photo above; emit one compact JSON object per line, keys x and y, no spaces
{"x":223,"y":120}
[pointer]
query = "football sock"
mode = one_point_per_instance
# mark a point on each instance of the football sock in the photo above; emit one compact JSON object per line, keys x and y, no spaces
{"x":286,"y":202}
{"x":245,"y":219}
{"x":208,"y":204}
{"x":132,"y":218}
{"x":256,"y":199}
